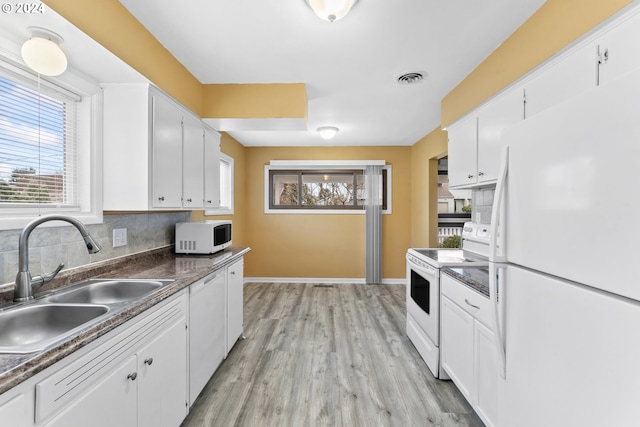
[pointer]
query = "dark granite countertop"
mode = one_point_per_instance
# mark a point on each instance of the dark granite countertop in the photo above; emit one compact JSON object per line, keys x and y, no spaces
{"x":475,"y":277}
{"x":157,"y":264}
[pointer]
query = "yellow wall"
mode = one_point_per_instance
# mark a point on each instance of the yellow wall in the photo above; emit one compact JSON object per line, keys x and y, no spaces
{"x":324,"y":245}
{"x":255,"y":100}
{"x":110,"y":24}
{"x":237,"y":151}
{"x":556,"y":24}
{"x":424,"y":191}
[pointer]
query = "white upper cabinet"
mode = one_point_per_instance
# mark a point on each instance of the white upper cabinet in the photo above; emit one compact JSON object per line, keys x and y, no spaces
{"x":598,"y":60}
{"x":167,"y":152}
{"x":154,"y":152}
{"x":570,"y":76}
{"x":475,"y":142}
{"x":211,"y":169}
{"x":127,"y":114}
{"x":463,"y":152}
{"x":192,"y":163}
{"x":503,"y":111}
{"x":619,"y":49}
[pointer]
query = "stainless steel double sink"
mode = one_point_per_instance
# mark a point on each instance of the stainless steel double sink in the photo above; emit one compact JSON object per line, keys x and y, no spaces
{"x":35,"y":325}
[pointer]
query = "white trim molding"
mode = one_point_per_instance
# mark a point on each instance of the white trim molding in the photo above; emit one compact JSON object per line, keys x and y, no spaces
{"x":315,"y":164}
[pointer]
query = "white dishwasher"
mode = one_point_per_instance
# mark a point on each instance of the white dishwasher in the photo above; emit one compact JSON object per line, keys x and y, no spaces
{"x":207,"y":330}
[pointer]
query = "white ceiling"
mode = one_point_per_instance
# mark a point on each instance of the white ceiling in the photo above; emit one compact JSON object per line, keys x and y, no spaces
{"x":349,"y":67}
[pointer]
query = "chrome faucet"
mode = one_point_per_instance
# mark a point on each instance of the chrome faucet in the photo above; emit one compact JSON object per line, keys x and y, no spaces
{"x":24,"y":282}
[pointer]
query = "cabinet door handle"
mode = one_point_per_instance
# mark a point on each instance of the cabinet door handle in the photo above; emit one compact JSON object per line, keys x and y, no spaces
{"x":132,"y":376}
{"x":470,"y":176}
{"x":148,"y":361}
{"x":209,"y":201}
{"x":468,"y":303}
{"x":189,"y":200}
{"x":480,"y":173}
{"x":161,"y":198}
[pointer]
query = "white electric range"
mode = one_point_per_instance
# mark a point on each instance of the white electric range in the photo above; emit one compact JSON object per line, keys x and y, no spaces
{"x":423,"y":289}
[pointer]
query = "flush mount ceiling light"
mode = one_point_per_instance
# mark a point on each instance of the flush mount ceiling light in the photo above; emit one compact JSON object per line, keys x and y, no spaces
{"x":42,"y":52}
{"x":327,"y":132}
{"x":331,"y":10}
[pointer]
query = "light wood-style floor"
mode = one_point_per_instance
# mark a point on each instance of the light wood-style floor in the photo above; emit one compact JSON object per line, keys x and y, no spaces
{"x":327,"y":355}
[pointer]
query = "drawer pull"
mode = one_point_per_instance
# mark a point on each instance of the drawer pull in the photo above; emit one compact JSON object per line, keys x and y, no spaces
{"x":132,"y":376}
{"x":468,"y":303}
{"x":148,"y":361}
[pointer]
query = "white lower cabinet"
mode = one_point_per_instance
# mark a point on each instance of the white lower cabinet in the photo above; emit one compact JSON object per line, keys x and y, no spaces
{"x":457,"y":346}
{"x":136,"y":377}
{"x":235,"y":313}
{"x":468,"y":349}
{"x":145,"y":389}
{"x":109,"y":402}
{"x":162,"y":379}
{"x":145,"y":372}
{"x":17,"y":409}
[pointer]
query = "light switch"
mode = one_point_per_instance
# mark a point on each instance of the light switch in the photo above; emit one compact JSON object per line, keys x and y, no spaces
{"x":119,"y":237}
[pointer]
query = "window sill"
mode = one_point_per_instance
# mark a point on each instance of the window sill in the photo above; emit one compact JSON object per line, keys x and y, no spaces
{"x":19,"y":222}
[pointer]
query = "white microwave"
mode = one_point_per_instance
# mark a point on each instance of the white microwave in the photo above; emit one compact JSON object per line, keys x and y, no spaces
{"x":202,"y":237}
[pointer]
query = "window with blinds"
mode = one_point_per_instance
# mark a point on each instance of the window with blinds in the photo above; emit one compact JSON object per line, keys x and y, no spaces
{"x":38,"y":145}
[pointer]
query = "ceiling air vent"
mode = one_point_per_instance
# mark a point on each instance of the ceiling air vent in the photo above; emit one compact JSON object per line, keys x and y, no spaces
{"x":410,"y":78}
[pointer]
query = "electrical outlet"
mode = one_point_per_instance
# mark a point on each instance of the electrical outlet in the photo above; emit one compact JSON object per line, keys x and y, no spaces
{"x":119,"y":237}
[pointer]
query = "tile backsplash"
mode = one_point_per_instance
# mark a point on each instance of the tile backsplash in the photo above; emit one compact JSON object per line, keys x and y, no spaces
{"x":482,"y":205}
{"x":49,"y":246}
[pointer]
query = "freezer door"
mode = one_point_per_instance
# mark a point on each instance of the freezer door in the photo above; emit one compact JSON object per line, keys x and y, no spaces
{"x":572,"y":190}
{"x":572,"y":355}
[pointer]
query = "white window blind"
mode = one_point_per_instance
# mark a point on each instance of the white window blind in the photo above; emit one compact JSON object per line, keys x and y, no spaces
{"x":38,"y":144}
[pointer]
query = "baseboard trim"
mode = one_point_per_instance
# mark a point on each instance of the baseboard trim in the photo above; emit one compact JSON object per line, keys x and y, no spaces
{"x":303,"y":280}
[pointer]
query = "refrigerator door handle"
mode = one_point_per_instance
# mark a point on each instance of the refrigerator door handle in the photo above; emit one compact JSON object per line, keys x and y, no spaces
{"x":497,"y":294}
{"x":496,"y":247}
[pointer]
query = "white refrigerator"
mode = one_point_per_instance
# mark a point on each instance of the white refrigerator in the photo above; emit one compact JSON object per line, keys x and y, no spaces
{"x":565,"y":263}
